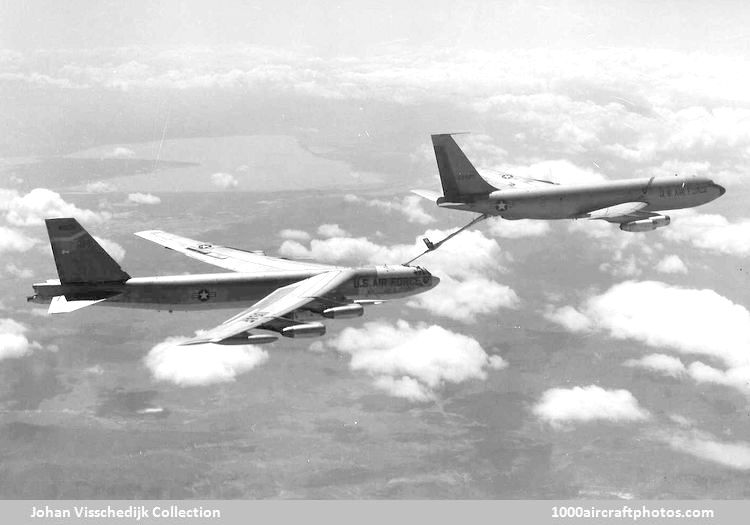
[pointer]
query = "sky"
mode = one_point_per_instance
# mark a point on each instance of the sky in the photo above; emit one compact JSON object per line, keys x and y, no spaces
{"x":562,"y":359}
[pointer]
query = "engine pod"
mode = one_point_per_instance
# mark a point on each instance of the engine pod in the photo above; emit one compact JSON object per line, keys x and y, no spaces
{"x":646,"y":225}
{"x":344,"y":312}
{"x":304,"y":330}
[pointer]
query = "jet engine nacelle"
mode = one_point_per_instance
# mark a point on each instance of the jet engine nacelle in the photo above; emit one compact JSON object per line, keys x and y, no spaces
{"x":646,"y":225}
{"x":304,"y":330}
{"x":344,"y":312}
{"x":249,"y":339}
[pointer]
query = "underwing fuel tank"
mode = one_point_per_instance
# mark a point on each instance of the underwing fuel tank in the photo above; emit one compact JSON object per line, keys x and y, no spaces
{"x":254,"y":339}
{"x":646,"y":225}
{"x":344,"y":312}
{"x":304,"y":330}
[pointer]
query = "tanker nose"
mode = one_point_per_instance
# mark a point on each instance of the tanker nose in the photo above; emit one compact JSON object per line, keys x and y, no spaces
{"x":721,"y":189}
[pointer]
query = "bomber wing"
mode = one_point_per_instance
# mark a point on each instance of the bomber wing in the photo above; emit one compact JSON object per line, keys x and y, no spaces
{"x":269,"y":312}
{"x":625,"y":212}
{"x":225,"y":257}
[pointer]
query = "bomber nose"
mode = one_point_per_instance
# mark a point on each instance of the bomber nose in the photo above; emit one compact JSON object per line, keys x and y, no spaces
{"x":434,"y":282}
{"x":721,"y":189}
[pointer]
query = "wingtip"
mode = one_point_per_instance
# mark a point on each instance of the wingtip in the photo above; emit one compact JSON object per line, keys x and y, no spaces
{"x":192,"y":342}
{"x":450,"y":134}
{"x":144,"y":233}
{"x":427,"y":194}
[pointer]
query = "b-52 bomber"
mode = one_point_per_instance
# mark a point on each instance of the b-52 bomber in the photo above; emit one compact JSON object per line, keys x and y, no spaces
{"x":290,"y":297}
{"x":633,"y":203}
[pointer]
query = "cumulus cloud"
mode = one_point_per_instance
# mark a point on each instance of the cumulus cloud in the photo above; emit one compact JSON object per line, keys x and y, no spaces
{"x":598,"y":229}
{"x":13,"y":341}
{"x":561,"y":406}
{"x":143,"y":198}
{"x":569,"y":318}
{"x":671,"y":264}
{"x":199,"y":365}
{"x":622,"y":265}
{"x":294,"y":235}
{"x":409,"y":206}
{"x":331,"y":230}
{"x":638,"y":105}
{"x":413,"y":362}
{"x":121,"y":152}
{"x":713,"y":233}
{"x":466,"y":255}
{"x":517,"y":229}
{"x":111,"y":247}
{"x":15,"y":271}
{"x":464,"y":266}
{"x":735,"y":376}
{"x":702,"y":445}
{"x":660,"y":363}
{"x":688,"y":321}
{"x":224,"y":181}
{"x":40,"y":203}
{"x":99,"y":187}
{"x":14,"y":241}
{"x":464,"y":300}
{"x":662,"y":315}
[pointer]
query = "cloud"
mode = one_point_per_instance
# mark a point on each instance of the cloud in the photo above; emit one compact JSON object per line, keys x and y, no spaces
{"x":199,"y":365}
{"x":224,"y":181}
{"x":467,"y":255}
{"x":735,"y":376}
{"x":121,"y":152}
{"x":597,"y":229}
{"x":517,"y":229}
{"x":622,"y":266}
{"x":294,"y":235}
{"x":671,"y":264}
{"x":734,"y":455}
{"x":143,"y":198}
{"x":464,"y":266}
{"x":661,"y":363}
{"x":559,"y":406}
{"x":331,"y":230}
{"x":111,"y":247}
{"x":40,"y":203}
{"x":13,"y":341}
{"x":631,"y":104}
{"x":405,"y":387}
{"x":569,"y":318}
{"x":688,"y":321}
{"x":409,"y":206}
{"x":100,"y":187}
{"x":14,"y":241}
{"x":713,"y":233}
{"x":413,"y":362}
{"x":465,"y":300}
{"x":21,"y":273}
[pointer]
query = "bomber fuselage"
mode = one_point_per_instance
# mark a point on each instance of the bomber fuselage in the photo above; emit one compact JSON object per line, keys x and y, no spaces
{"x":230,"y":290}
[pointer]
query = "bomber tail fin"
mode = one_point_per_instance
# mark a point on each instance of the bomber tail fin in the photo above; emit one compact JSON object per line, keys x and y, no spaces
{"x":459,"y":177}
{"x":78,"y":257}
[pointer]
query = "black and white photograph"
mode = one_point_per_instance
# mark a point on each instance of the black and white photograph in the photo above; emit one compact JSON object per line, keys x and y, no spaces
{"x":374,"y":250}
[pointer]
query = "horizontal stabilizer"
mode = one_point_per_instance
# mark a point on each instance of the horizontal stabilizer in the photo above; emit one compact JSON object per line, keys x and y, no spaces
{"x":60,"y":305}
{"x":427,"y":194}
